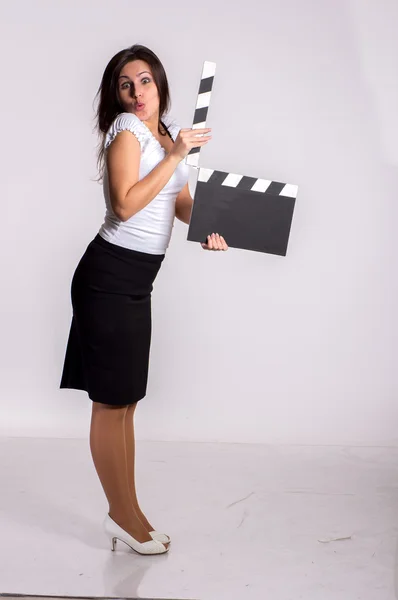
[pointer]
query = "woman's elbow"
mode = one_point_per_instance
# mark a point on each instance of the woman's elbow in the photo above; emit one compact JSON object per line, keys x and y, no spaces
{"x":119,"y":213}
{"x":123,"y":214}
{"x":119,"y":209}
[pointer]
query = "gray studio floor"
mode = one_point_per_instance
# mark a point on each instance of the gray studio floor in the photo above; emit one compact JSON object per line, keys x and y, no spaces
{"x":247,"y":521}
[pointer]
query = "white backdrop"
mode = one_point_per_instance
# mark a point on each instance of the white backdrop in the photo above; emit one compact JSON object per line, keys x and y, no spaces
{"x":246,"y":347}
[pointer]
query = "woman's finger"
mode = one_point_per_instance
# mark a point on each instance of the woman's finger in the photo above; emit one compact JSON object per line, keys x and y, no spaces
{"x":195,"y":144}
{"x":189,"y":129}
{"x":224,"y":243}
{"x":198,"y":142}
{"x":217,"y":241}
{"x":195,"y":133}
{"x":203,"y":131}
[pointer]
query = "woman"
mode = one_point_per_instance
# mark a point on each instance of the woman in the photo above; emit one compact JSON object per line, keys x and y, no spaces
{"x":141,"y":161}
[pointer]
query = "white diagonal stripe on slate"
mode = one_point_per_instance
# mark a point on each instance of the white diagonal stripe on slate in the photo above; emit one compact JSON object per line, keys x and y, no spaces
{"x":205,"y":174}
{"x":261,"y":185}
{"x":232,"y":180}
{"x":289,"y":190}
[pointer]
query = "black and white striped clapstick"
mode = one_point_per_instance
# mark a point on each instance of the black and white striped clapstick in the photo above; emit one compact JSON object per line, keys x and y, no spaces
{"x":202,"y":107}
{"x":242,"y":182}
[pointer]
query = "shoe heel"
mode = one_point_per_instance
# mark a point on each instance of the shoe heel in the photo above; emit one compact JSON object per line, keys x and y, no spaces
{"x":115,"y":532}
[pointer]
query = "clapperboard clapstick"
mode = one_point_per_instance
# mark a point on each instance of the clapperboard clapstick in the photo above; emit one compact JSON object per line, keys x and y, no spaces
{"x":250,"y":213}
{"x":202,"y":107}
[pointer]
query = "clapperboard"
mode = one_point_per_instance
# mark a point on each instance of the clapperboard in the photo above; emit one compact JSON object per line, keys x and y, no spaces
{"x":250,"y":213}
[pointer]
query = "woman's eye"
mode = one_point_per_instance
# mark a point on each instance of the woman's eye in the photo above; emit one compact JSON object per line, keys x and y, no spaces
{"x":124,"y":85}
{"x":146,"y":80}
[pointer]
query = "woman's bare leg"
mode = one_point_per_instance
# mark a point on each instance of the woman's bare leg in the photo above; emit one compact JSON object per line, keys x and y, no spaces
{"x":107,"y":443}
{"x":130,"y":461}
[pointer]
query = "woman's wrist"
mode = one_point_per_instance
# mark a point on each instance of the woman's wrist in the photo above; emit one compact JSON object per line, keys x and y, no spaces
{"x":173,"y":159}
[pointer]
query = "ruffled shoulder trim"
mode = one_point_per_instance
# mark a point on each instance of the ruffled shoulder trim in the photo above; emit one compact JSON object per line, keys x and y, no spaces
{"x":129,"y":122}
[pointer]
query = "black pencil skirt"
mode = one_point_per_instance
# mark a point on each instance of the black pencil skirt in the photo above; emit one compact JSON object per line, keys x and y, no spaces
{"x":107,"y":353}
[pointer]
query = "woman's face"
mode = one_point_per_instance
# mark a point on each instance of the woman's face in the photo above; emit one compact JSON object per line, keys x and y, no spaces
{"x":137,"y":90}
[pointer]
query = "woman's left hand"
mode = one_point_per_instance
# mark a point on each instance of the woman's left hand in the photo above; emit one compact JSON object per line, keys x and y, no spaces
{"x":215,"y":242}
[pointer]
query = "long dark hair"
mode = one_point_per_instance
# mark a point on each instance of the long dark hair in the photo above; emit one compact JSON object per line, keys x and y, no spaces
{"x":109,"y":105}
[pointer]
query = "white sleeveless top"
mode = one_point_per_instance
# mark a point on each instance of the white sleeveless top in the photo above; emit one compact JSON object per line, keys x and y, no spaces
{"x":149,"y":230}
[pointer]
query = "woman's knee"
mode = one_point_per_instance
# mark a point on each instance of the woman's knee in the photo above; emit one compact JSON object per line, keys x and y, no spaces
{"x":131,"y":408}
{"x":113,"y":410}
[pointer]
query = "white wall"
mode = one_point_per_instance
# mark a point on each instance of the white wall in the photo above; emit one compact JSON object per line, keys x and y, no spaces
{"x":246,"y":347}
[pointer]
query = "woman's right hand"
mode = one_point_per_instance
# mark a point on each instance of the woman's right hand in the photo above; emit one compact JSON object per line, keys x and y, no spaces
{"x":187,"y":139}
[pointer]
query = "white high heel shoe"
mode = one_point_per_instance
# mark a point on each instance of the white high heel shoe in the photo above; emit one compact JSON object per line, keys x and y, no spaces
{"x":160,"y":537}
{"x":115,"y":532}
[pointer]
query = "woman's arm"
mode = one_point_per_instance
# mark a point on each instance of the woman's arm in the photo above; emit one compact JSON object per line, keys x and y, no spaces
{"x":184,"y":203}
{"x":127,"y":194}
